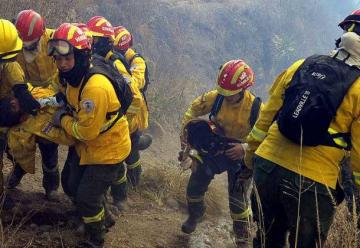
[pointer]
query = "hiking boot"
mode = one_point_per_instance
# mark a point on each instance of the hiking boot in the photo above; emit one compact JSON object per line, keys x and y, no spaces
{"x":15,"y":178}
{"x":120,"y":205}
{"x":109,"y":221}
{"x":95,"y":233}
{"x":190,"y":224}
{"x":144,"y":142}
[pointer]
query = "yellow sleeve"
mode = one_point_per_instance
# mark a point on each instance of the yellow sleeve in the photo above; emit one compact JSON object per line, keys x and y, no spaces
{"x":91,"y":116}
{"x":41,"y":125}
{"x":137,"y":101}
{"x":14,"y":73}
{"x":200,"y":106}
{"x":268,"y":112}
{"x":122,"y":69}
{"x":138,"y":67}
{"x":355,"y":151}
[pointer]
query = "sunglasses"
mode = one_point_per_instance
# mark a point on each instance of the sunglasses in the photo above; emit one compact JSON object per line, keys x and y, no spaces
{"x":59,"y":47}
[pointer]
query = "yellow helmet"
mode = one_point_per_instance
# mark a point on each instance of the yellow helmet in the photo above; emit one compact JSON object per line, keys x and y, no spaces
{"x":10,"y":43}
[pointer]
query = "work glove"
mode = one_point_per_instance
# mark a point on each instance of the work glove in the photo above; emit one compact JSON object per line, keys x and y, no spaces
{"x":27,"y":102}
{"x":56,"y":120}
{"x":50,"y":101}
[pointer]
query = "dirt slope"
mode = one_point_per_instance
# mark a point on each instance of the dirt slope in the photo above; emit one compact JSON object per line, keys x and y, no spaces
{"x":153,"y":218}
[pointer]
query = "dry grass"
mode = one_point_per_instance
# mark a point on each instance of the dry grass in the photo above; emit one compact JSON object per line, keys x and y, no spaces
{"x":344,"y":231}
{"x":167,"y":182}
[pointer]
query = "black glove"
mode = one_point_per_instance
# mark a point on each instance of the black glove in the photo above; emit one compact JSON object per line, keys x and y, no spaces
{"x":27,"y":102}
{"x":56,"y":120}
{"x":61,"y":98}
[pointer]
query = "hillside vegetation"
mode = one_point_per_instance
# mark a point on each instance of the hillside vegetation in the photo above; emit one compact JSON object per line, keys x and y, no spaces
{"x":186,"y":41}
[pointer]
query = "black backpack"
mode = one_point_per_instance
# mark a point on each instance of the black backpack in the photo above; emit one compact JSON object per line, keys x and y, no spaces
{"x":254,"y":112}
{"x":314,"y":94}
{"x":147,"y":76}
{"x":121,"y":87}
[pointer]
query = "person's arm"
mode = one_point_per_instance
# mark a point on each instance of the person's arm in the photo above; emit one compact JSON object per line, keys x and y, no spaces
{"x":137,"y":69}
{"x":16,"y":78}
{"x":91,"y":116}
{"x":200,"y":106}
{"x":268,"y":112}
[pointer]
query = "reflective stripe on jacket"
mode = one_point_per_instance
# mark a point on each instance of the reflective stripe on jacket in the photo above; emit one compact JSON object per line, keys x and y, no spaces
{"x":90,"y":116}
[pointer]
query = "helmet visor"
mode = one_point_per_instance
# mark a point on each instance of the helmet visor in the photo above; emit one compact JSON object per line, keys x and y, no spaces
{"x":59,"y":47}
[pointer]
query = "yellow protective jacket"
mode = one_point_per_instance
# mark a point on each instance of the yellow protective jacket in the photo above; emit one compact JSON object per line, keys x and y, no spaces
{"x":98,"y":98}
{"x":10,"y":74}
{"x":137,"y":68}
{"x":133,"y":112}
{"x":22,"y":137}
{"x":42,"y":71}
{"x":320,"y":163}
{"x":233,"y":119}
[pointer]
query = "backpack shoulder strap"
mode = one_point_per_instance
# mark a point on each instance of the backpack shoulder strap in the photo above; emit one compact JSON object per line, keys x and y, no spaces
{"x":254,"y":112}
{"x":117,"y":56}
{"x":85,"y":80}
{"x":136,"y":55}
{"x":98,"y":70}
{"x":95,"y":69}
{"x":216,"y":106}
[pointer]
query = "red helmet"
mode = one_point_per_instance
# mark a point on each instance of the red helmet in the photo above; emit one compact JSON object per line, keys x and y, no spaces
{"x":234,"y":76}
{"x":30,"y":25}
{"x":67,"y":37}
{"x":85,"y":29}
{"x":123,"y":38}
{"x":354,"y":17}
{"x":100,"y":27}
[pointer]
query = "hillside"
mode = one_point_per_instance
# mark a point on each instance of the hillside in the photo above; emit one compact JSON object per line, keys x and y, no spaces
{"x":184,"y":41}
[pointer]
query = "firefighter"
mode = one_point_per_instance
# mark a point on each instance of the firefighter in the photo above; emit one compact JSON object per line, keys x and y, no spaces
{"x":103,"y":33}
{"x":12,"y":84}
{"x":40,"y":70}
{"x":303,"y":132}
{"x":96,"y":122}
{"x":233,"y":110}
